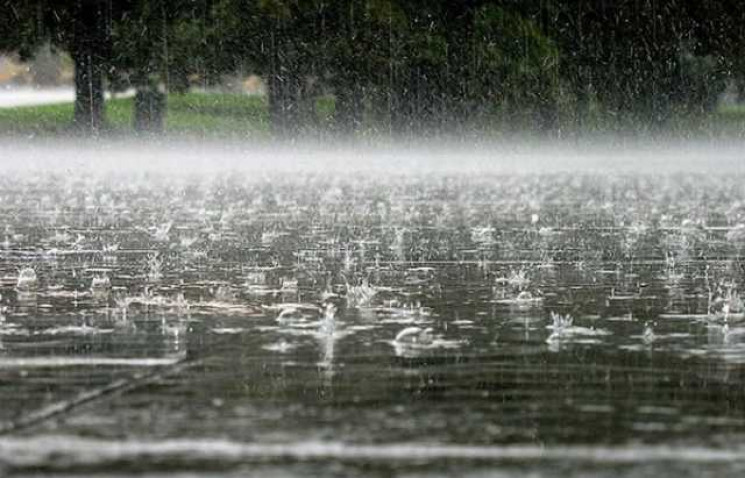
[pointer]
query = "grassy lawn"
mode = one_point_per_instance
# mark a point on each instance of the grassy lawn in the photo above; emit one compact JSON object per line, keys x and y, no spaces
{"x":225,"y":115}
{"x":194,"y":114}
{"x":729,"y":120}
{"x":216,"y":115}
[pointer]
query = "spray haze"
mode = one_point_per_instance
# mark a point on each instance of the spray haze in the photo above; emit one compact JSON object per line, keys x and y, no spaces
{"x":424,"y":157}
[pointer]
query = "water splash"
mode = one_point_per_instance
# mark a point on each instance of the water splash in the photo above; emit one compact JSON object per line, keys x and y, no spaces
{"x":27,"y":280}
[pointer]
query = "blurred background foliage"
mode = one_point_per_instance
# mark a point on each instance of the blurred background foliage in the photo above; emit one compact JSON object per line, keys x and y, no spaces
{"x":394,"y":67}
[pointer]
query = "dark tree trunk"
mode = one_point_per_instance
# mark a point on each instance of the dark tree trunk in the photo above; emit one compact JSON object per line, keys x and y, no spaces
{"x":150,"y":108}
{"x":285,"y":95}
{"x":582,"y":107}
{"x":740,"y":88}
{"x":403,"y":98}
{"x":88,"y":51}
{"x":548,"y":117}
{"x":350,"y":69}
{"x":582,"y":91}
{"x":89,"y":95}
{"x":349,"y":111}
{"x":284,"y":107}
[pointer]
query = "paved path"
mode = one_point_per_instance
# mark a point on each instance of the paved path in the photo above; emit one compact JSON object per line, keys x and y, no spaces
{"x":12,"y":97}
{"x":25,"y":96}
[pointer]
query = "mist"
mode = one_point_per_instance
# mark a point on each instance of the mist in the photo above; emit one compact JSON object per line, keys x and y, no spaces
{"x":194,"y":156}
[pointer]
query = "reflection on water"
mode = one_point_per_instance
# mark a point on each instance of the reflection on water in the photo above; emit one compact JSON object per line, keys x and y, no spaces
{"x":331,"y":318}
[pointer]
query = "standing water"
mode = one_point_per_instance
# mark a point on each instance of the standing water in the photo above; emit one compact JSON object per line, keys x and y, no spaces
{"x":444,"y":323}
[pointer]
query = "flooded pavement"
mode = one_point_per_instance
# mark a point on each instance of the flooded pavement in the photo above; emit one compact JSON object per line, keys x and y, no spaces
{"x":434,"y":324}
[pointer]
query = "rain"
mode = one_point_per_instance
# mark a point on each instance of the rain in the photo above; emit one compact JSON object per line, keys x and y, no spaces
{"x":372,"y":238}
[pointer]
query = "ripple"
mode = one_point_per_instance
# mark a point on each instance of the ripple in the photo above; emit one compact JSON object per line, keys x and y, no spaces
{"x":58,"y":361}
{"x":75,"y":451}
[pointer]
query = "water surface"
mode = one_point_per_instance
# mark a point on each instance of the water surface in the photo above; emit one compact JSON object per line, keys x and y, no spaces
{"x":566,"y":323}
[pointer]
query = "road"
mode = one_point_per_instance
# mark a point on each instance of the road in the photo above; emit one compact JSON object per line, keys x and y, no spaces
{"x":24,"y":96}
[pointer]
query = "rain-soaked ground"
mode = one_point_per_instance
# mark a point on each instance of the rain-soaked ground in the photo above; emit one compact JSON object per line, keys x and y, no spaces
{"x":339,"y":325}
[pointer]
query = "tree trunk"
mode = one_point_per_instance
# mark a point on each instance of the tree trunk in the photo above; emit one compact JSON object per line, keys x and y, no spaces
{"x":349,"y":107}
{"x":89,"y":52}
{"x":548,"y":117}
{"x":284,"y":103}
{"x":582,"y":104}
{"x":150,"y":108}
{"x":89,"y":97}
{"x":403,"y":97}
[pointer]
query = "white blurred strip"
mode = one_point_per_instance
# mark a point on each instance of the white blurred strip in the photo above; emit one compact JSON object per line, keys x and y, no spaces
{"x":52,"y":362}
{"x":11,"y":97}
{"x":45,"y":450}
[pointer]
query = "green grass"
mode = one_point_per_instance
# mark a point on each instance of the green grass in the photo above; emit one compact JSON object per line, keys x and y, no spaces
{"x":225,"y":115}
{"x":217,"y":115}
{"x":35,"y":119}
{"x":729,"y":120}
{"x":194,"y":114}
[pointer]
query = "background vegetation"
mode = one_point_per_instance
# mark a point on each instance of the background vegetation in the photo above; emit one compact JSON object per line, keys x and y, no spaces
{"x":398,"y":67}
